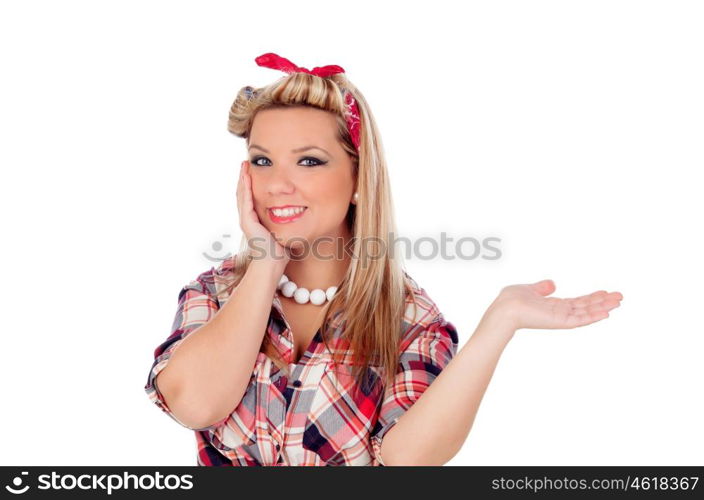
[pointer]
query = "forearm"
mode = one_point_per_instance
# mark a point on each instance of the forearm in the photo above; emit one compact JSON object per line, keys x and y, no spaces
{"x":434,"y":429}
{"x":208,"y":372}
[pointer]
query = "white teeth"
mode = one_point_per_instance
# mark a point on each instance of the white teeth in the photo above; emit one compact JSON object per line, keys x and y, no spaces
{"x":287,"y":212}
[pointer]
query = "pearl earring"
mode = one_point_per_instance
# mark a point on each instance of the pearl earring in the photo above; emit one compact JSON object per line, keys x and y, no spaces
{"x":356,"y":197}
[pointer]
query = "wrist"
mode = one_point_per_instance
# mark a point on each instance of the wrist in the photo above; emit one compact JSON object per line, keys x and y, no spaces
{"x":273,"y":265}
{"x":498,"y":321}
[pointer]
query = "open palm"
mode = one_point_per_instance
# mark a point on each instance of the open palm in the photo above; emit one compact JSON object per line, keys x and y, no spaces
{"x":528,"y":306}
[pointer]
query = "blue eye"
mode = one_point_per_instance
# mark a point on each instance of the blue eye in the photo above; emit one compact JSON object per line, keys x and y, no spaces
{"x":254,"y":161}
{"x":316,"y":162}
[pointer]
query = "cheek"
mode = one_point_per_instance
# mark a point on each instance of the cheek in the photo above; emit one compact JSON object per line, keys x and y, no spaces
{"x":333,"y":190}
{"x":257,"y":192}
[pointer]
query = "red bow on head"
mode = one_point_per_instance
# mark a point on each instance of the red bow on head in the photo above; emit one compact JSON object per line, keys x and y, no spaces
{"x":274,"y":61}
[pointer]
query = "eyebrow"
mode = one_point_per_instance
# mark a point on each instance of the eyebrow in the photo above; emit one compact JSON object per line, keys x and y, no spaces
{"x":297,"y":150}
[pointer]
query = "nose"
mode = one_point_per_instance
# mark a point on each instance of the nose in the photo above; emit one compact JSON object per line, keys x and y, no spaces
{"x":278,"y":181}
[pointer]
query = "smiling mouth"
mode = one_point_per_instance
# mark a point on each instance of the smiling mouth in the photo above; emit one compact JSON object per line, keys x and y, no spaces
{"x":286,"y":215}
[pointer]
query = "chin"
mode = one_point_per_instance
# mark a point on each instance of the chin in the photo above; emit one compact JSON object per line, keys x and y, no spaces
{"x":284,"y":237}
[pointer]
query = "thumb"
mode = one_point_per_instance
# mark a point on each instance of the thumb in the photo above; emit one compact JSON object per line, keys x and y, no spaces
{"x":544,"y":287}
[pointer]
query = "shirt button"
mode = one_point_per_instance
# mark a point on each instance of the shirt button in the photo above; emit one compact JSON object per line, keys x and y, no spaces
{"x":296,"y":383}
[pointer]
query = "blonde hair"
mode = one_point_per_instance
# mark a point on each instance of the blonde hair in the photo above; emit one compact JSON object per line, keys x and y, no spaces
{"x":371,"y":297}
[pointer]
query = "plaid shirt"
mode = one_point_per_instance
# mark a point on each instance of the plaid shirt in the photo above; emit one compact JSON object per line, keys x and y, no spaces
{"x":313,"y":418}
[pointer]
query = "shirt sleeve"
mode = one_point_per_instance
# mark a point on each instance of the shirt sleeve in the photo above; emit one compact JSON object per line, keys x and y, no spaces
{"x":196,"y":306}
{"x":420,"y":363}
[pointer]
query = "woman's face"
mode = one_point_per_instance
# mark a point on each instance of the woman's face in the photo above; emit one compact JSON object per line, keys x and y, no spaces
{"x":283,"y":173}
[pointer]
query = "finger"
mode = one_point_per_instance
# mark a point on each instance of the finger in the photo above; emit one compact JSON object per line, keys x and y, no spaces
{"x":592,"y":298}
{"x":249,"y":204}
{"x":239,"y":190}
{"x":602,"y":307}
{"x":601,"y":300}
{"x":241,"y":196}
{"x":581,"y":319}
{"x":243,"y":182}
{"x":544,"y":287}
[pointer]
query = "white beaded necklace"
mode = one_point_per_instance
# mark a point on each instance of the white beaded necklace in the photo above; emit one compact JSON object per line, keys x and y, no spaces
{"x":302,"y":295}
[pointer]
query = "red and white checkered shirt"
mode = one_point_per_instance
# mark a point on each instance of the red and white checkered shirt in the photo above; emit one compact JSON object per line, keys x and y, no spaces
{"x":313,"y":418}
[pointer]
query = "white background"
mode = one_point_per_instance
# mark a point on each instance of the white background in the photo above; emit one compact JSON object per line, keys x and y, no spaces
{"x":570,"y":130}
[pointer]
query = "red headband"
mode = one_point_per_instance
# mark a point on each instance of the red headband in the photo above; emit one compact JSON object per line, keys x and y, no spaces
{"x":274,"y":61}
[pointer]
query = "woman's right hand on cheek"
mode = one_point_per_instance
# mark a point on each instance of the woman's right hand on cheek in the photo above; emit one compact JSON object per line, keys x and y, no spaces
{"x":261,"y":241}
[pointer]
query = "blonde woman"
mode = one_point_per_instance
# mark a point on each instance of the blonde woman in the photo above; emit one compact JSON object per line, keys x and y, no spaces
{"x":312,"y":345}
